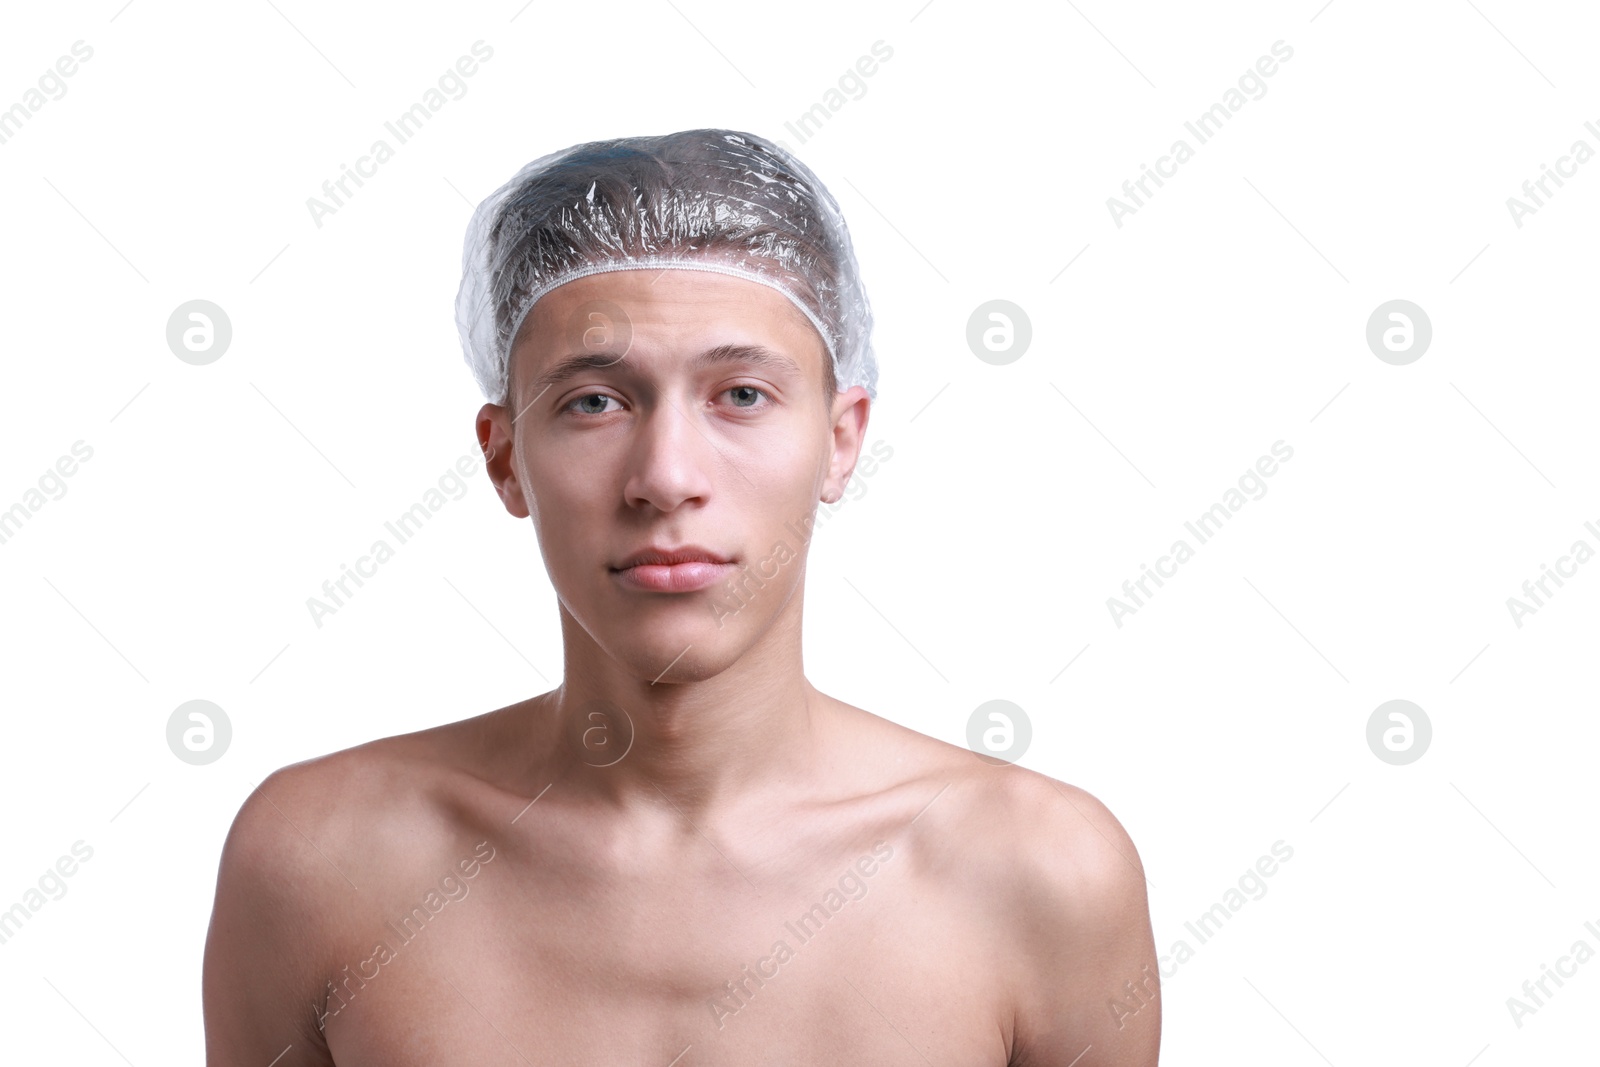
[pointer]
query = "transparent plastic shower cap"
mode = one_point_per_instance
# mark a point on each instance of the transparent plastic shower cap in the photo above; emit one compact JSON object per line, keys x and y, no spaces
{"x":712,"y":200}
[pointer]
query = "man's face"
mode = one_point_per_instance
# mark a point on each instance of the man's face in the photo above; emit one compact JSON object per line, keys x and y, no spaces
{"x":663,"y":409}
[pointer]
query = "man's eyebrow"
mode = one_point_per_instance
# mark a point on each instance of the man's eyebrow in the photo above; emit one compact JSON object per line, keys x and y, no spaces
{"x":752,"y":354}
{"x":572,"y":366}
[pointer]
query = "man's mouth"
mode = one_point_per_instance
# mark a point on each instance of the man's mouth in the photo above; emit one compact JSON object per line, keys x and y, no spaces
{"x":683,"y":569}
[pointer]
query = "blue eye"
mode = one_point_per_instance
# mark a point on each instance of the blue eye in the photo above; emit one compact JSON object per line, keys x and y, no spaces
{"x":581,"y":403}
{"x":745,"y":395}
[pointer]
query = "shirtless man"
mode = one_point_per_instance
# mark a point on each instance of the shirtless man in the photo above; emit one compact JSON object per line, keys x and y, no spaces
{"x":684,"y":855}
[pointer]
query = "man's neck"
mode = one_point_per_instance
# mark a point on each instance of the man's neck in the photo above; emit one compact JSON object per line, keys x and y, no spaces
{"x":703,"y":745}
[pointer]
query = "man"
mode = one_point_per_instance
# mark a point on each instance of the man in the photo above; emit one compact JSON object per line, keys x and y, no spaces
{"x":684,"y":854}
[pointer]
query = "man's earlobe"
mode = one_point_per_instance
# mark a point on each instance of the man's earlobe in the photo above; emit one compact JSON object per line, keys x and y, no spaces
{"x":497,"y":462}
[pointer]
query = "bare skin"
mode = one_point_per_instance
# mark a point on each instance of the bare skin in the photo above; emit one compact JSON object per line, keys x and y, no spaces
{"x":685,"y":854}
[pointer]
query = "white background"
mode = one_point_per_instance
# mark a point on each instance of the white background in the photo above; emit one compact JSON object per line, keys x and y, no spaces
{"x":1227,"y":314}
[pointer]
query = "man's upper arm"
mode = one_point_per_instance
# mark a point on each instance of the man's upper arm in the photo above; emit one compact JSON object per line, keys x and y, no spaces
{"x":1093,"y":986}
{"x":264,"y":949}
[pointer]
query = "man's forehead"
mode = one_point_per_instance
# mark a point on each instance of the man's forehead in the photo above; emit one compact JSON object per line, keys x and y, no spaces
{"x":648,"y":318}
{"x":634,"y":363}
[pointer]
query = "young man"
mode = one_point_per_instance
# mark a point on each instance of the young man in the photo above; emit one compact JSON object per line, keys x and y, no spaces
{"x":684,"y":854}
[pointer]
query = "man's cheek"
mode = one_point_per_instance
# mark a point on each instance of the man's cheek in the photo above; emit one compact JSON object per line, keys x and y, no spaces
{"x":560,"y":502}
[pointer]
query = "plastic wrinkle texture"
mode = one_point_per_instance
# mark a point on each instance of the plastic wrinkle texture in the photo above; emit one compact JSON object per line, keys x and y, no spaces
{"x":712,"y":200}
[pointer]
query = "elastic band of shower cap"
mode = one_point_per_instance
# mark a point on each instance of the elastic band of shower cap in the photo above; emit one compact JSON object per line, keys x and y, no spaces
{"x":677,"y":263}
{"x":710,"y":200}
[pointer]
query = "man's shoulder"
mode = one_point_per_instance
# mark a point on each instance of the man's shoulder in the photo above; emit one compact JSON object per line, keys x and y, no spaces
{"x":317,"y":852}
{"x":328,"y":793}
{"x":1046,"y":832}
{"x":998,"y":831}
{"x":1068,"y":848}
{"x":1045,"y":840}
{"x":326,"y":821}
{"x":1061,"y":892}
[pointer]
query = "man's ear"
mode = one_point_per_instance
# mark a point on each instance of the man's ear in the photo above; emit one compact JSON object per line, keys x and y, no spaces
{"x":850,"y":411}
{"x":494,"y":437}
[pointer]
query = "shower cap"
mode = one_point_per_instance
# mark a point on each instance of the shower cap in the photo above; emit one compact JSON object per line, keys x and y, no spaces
{"x":711,"y":200}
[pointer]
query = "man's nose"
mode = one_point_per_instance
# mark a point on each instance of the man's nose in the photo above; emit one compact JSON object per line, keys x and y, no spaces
{"x":671,"y":460}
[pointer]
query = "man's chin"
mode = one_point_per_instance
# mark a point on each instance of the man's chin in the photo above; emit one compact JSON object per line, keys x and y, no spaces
{"x":671,"y":647}
{"x":670,"y":638}
{"x":680,"y":659}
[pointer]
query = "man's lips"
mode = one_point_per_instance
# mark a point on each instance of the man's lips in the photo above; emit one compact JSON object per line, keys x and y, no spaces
{"x":684,"y":569}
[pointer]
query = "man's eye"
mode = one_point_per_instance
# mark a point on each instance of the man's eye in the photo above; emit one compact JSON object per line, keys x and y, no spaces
{"x":585,"y":405}
{"x":745,"y":396}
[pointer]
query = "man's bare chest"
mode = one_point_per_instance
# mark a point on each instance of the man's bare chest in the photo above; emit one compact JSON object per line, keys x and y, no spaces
{"x":849,"y":956}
